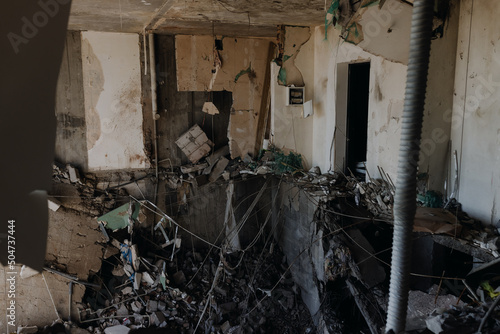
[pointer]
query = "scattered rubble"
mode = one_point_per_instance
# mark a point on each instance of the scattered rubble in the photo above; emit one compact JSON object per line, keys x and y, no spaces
{"x":150,"y":278}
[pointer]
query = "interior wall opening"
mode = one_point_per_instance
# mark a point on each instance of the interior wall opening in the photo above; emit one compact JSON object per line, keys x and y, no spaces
{"x":357,"y":118}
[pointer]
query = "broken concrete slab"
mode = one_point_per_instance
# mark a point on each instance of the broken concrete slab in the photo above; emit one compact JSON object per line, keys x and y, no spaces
{"x":158,"y":319}
{"x":222,"y":152}
{"x":436,"y":221}
{"x":218,"y":169}
{"x":194,"y":143}
{"x":191,"y":169}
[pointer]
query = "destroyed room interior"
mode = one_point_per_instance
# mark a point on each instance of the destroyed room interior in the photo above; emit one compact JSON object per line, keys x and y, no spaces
{"x":255,"y":166}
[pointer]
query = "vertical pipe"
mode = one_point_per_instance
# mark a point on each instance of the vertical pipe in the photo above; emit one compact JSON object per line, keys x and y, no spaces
{"x":405,"y":199}
{"x":154,"y":106}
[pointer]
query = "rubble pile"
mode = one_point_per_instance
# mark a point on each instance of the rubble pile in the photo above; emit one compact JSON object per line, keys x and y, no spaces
{"x":249,"y":292}
{"x":69,"y":183}
{"x":151,"y":279}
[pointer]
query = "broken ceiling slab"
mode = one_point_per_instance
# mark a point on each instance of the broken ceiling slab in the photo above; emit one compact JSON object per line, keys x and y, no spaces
{"x":248,"y":14}
{"x":119,"y":217}
{"x":180,"y":27}
{"x":194,"y":143}
{"x":103,"y":16}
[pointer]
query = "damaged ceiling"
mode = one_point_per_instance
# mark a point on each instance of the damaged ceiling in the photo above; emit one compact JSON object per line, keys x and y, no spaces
{"x":226,"y":17}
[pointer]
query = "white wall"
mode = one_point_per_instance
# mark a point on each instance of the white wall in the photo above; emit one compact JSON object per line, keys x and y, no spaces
{"x":317,"y":61}
{"x":387,"y":81}
{"x":475,"y":121}
{"x":112,"y":93}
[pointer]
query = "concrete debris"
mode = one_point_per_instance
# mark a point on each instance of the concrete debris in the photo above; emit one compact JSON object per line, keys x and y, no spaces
{"x":422,"y":305}
{"x":218,"y":169}
{"x":237,"y":299}
{"x":222,"y":152}
{"x":151,"y":278}
{"x":192,"y":169}
{"x":54,"y":204}
{"x":119,"y":329}
{"x":194,"y":143}
{"x":74,"y":175}
{"x":210,"y":108}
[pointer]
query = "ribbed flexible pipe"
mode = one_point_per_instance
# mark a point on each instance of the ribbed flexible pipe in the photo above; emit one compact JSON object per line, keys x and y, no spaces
{"x":405,"y":198}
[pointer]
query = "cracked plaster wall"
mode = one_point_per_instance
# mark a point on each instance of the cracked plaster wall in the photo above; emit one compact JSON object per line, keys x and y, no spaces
{"x":289,"y":130}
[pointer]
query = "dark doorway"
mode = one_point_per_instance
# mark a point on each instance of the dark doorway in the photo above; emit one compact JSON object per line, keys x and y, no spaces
{"x":357,"y":117}
{"x":215,"y":126}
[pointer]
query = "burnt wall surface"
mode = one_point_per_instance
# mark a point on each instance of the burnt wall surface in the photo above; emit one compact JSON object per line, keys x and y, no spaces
{"x":71,"y":140}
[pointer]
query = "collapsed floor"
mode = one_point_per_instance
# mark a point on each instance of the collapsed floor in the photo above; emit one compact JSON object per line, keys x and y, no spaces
{"x":268,"y":248}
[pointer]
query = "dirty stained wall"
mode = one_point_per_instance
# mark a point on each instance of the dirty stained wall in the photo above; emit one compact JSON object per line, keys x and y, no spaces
{"x":475,"y":118}
{"x":436,"y":130}
{"x":318,"y":137}
{"x":112,"y":93}
{"x":386,"y":31}
{"x":386,"y":99}
{"x":71,"y":131}
{"x":242,"y":72}
{"x":386,"y":93}
{"x":289,"y":129}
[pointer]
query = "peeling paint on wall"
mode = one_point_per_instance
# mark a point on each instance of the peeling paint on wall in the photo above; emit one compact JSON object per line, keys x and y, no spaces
{"x":112,"y":92}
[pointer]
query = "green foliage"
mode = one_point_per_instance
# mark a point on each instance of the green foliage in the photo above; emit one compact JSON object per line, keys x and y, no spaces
{"x":286,"y":163}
